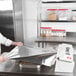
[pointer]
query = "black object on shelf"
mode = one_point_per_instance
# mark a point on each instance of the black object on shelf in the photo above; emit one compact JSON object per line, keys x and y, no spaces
{"x":57,"y":21}
{"x":59,"y":2}
{"x":73,"y":10}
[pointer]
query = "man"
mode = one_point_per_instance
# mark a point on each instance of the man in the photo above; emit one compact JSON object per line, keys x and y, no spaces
{"x":7,"y":42}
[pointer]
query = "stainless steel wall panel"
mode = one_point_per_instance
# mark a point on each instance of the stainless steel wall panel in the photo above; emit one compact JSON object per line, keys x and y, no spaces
{"x":18,"y":20}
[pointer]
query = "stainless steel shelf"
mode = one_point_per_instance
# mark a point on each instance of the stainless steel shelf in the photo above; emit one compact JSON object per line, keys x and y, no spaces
{"x":59,"y":2}
{"x":44,"y":40}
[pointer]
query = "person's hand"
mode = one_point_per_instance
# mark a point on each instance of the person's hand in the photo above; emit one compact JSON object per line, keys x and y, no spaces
{"x":2,"y":59}
{"x":17,"y":43}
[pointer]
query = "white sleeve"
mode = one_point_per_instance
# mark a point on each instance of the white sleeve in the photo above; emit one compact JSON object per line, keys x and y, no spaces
{"x":5,"y":41}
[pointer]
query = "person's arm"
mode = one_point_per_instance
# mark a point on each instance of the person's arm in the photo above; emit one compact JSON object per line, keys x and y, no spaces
{"x":7,"y":42}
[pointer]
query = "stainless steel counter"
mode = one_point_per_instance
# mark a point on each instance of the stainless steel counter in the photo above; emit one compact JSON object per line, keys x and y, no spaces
{"x":12,"y":67}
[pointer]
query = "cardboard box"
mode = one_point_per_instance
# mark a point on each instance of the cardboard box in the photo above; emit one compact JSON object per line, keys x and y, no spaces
{"x":52,"y":16}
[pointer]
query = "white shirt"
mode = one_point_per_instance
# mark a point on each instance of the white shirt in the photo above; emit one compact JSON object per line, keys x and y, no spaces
{"x":5,"y":41}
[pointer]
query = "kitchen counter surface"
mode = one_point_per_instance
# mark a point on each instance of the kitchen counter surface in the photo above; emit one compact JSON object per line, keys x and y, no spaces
{"x":12,"y":68}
